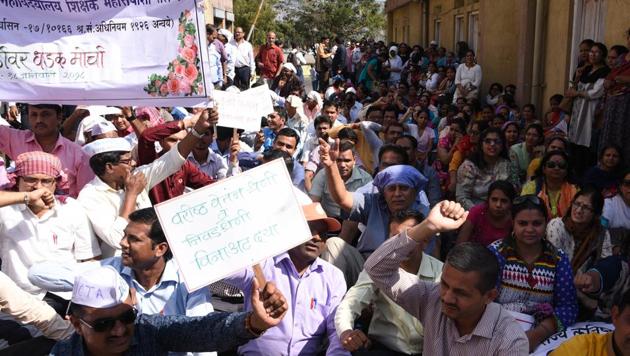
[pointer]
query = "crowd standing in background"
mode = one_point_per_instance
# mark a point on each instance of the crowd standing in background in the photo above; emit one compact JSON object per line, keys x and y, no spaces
{"x":439,"y":213}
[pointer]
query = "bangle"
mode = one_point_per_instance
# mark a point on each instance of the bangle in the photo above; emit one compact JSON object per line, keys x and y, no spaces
{"x":27,"y":199}
{"x":250,"y":328}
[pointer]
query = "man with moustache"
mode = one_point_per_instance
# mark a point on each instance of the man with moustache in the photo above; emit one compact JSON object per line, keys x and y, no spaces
{"x":313,"y":288}
{"x":106,"y":323}
{"x":458,"y":315}
{"x":44,"y":121}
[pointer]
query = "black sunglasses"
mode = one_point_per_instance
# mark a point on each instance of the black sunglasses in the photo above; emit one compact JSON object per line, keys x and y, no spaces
{"x":106,"y":324}
{"x":559,"y":165}
{"x":527,"y":198}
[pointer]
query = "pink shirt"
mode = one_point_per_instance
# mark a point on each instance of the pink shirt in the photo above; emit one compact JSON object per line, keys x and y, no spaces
{"x":74,"y":161}
{"x":483,"y":231}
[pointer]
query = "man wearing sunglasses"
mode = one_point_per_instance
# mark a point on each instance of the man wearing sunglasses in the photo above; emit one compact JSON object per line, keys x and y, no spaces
{"x":106,"y":322}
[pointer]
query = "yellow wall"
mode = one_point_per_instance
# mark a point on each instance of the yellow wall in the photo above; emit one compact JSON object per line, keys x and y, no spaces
{"x":404,"y":24}
{"x":557,"y":52}
{"x":617,"y":23}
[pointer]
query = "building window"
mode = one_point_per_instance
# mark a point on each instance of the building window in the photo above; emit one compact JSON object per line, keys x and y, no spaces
{"x":473,"y":30}
{"x":437,"y":35}
{"x":459,"y":30}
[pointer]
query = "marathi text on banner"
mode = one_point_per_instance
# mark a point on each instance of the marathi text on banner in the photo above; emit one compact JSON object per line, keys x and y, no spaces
{"x":132,"y":52}
{"x":222,"y":228}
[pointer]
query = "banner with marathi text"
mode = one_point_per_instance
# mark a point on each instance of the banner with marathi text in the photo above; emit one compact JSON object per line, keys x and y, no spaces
{"x":126,"y":52}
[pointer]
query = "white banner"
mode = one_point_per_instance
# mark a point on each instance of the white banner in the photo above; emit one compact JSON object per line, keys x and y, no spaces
{"x":588,"y":327}
{"x":243,"y":110}
{"x":110,"y":52}
{"x":230,"y":225}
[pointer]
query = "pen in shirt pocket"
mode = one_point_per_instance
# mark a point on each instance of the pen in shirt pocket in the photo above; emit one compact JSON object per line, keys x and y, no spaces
{"x":313,"y":303}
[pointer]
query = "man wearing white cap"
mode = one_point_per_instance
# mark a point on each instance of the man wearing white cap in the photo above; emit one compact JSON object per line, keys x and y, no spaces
{"x":314,"y":288}
{"x":116,"y":192}
{"x":313,"y":105}
{"x":225,"y":37}
{"x":106,"y":322}
{"x":297,"y":120}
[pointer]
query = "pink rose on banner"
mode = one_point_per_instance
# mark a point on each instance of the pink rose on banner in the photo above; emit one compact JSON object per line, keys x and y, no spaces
{"x":189,"y":41}
{"x":174,"y":86}
{"x":183,"y":76}
{"x":188,"y":54}
{"x":179,"y":69}
{"x":191,"y":73}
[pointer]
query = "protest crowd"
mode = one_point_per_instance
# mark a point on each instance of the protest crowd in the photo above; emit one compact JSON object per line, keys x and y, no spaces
{"x":445,"y":220}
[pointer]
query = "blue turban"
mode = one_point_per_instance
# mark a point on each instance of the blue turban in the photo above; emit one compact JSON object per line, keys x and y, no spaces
{"x":400,"y":174}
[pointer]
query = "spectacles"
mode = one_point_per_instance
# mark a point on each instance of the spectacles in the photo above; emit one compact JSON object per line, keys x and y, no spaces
{"x":125,"y":161}
{"x":559,"y":165}
{"x":583,"y":207}
{"x":490,"y":141}
{"x":45,"y":182}
{"x":531,"y":198}
{"x":626,"y":183}
{"x":106,"y":324}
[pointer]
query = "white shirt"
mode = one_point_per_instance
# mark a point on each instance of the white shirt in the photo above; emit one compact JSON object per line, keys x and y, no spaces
{"x":102,"y":203}
{"x":231,"y":51}
{"x":214,"y":165}
{"x":354,"y":111}
{"x":395,"y":63}
{"x":616,"y":212}
{"x":62,"y":234}
{"x":244,"y":55}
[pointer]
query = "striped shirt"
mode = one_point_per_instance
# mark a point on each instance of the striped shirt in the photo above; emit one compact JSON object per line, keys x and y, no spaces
{"x":496,"y":332}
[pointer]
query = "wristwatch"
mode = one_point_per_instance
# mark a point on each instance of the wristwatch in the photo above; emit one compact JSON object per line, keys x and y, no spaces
{"x":196,"y":133}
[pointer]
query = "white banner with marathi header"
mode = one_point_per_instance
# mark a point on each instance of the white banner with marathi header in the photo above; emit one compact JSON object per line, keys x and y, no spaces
{"x":110,"y":52}
{"x":555,"y":340}
{"x":220,"y":229}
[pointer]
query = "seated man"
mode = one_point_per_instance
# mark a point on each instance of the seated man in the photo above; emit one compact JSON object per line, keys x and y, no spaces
{"x":392,"y":329}
{"x":286,"y":140}
{"x":314,"y":288}
{"x":458,"y":315}
{"x":353,"y":178}
{"x":188,"y":175}
{"x":115,"y":192}
{"x":609,"y":344}
{"x":44,"y":121}
{"x":106,"y":322}
{"x":146,"y":265}
{"x":30,"y":233}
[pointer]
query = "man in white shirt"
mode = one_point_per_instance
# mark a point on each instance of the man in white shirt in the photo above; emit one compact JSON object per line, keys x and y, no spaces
{"x":391,"y":327}
{"x":207,"y":160}
{"x":116,"y":192}
{"x":32,"y":233}
{"x":225,"y":37}
{"x":244,"y":64}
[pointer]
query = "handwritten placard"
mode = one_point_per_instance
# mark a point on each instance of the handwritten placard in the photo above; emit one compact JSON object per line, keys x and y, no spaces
{"x":230,"y":225}
{"x":243,"y":110}
{"x":127,"y":52}
{"x":554,"y":341}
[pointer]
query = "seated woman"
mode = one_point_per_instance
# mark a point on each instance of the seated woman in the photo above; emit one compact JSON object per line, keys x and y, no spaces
{"x":491,"y":220}
{"x":554,"y":143}
{"x":447,"y":145}
{"x":535,"y":278}
{"x":605,"y":174}
{"x":617,"y":209}
{"x":521,"y":154}
{"x":551,"y":184}
{"x":616,"y":215}
{"x":511,"y":133}
{"x":463,"y":149}
{"x":488,"y":164}
{"x":580,"y":233}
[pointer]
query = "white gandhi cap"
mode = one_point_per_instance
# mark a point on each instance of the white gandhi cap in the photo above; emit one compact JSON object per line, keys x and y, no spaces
{"x":102,"y":287}
{"x":117,"y":144}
